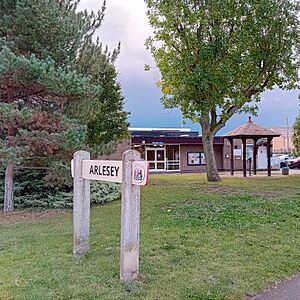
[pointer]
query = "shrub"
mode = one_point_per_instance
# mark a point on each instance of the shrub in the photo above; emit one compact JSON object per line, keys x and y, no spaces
{"x":31,"y":190}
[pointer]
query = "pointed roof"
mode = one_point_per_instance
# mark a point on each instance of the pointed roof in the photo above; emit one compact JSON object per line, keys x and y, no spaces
{"x":251,"y":130}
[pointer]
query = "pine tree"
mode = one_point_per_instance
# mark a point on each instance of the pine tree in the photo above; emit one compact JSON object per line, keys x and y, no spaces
{"x":58,"y":89}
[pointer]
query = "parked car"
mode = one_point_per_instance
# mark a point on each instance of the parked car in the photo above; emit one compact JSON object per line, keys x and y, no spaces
{"x":280,"y":160}
{"x":294,"y":163}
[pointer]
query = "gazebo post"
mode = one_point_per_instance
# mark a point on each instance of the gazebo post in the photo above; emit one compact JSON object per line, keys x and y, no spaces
{"x":231,"y":156}
{"x":254,"y":155}
{"x":244,"y":158}
{"x":269,"y":140}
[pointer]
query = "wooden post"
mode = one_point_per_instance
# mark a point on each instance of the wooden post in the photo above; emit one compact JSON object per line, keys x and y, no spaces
{"x":231,"y":156}
{"x":250,"y":165}
{"x":254,"y":156}
{"x":130,"y":220}
{"x":269,"y":140}
{"x":81,"y":206}
{"x":244,"y":158}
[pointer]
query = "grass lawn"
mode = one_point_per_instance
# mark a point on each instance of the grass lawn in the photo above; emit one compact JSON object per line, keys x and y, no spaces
{"x":198,"y":241}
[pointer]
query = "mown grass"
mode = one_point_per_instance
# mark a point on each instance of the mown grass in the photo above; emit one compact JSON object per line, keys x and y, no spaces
{"x":198,"y":241}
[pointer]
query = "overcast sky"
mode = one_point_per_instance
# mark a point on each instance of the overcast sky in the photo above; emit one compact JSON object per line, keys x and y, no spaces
{"x":126,"y":21}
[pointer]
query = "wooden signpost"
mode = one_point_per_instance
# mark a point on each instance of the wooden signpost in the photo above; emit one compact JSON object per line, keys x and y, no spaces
{"x":132,"y":172}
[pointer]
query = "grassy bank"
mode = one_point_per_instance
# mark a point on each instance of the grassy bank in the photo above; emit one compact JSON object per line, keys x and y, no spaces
{"x":198,"y":241}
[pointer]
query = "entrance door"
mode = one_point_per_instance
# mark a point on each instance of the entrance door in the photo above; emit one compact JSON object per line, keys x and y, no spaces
{"x":262,"y":158}
{"x":156,"y":158}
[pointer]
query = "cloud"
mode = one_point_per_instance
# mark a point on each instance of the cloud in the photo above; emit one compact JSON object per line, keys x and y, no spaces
{"x":126,"y":21}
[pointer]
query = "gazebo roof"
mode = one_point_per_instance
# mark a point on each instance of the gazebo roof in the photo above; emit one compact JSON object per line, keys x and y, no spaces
{"x":251,"y":130}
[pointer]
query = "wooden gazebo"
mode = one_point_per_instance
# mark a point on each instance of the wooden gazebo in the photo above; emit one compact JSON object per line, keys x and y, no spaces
{"x":255,"y":132}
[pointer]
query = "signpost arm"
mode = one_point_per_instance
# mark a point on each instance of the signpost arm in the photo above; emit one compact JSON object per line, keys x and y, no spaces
{"x":81,"y":206}
{"x":130,"y":220}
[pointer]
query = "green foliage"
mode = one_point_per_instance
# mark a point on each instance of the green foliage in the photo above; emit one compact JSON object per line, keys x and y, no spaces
{"x":38,"y":137}
{"x":38,"y":76}
{"x":58,"y":89}
{"x":296,"y":136}
{"x":46,"y":28}
{"x":217,"y":56}
{"x":32,"y":190}
{"x":98,"y":65}
{"x":104,"y":192}
{"x":11,"y":115}
{"x":49,"y":52}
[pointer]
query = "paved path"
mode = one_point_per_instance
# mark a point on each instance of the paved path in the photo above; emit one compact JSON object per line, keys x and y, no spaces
{"x":260,"y":173}
{"x":285,"y":290}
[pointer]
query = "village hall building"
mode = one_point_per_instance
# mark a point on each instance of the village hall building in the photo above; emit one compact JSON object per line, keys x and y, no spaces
{"x":181,"y":149}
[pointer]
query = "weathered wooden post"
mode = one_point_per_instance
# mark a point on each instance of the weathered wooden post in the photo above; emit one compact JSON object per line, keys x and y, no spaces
{"x":132,"y":172}
{"x":250,"y":165}
{"x":130,"y":220}
{"x":81,"y":206}
{"x":244,"y":157}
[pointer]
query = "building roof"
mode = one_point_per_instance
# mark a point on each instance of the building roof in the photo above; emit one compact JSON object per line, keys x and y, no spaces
{"x":147,"y":140}
{"x":163,"y":132}
{"x":159,"y":129}
{"x":171,"y":136}
{"x":284,"y":131}
{"x":250,"y":130}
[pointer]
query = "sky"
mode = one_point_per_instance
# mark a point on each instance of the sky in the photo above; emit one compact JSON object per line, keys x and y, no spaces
{"x":126,"y":21}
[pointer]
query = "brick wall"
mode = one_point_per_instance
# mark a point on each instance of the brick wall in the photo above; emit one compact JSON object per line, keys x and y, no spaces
{"x":117,"y":154}
{"x":280,"y":145}
{"x":184,"y":149}
{"x":238,"y":160}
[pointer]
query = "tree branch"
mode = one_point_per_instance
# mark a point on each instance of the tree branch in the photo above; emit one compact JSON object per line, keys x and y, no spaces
{"x":250,"y":90}
{"x":176,"y":48}
{"x":180,"y":30}
{"x":230,"y":112}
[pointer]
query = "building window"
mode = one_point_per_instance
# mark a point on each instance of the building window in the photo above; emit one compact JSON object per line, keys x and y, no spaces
{"x":196,"y":159}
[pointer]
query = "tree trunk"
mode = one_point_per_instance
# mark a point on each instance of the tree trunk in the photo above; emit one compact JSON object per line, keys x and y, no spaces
{"x":208,"y":146}
{"x":9,"y":188}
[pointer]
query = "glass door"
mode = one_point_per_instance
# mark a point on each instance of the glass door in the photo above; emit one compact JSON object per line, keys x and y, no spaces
{"x":172,"y":158}
{"x":156,"y":158}
{"x":160,"y":159}
{"x":150,"y":157}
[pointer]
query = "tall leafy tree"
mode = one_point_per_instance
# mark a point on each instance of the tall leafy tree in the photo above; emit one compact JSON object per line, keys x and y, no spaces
{"x":216,"y":57}
{"x":53,"y":99}
{"x":296,"y":136}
